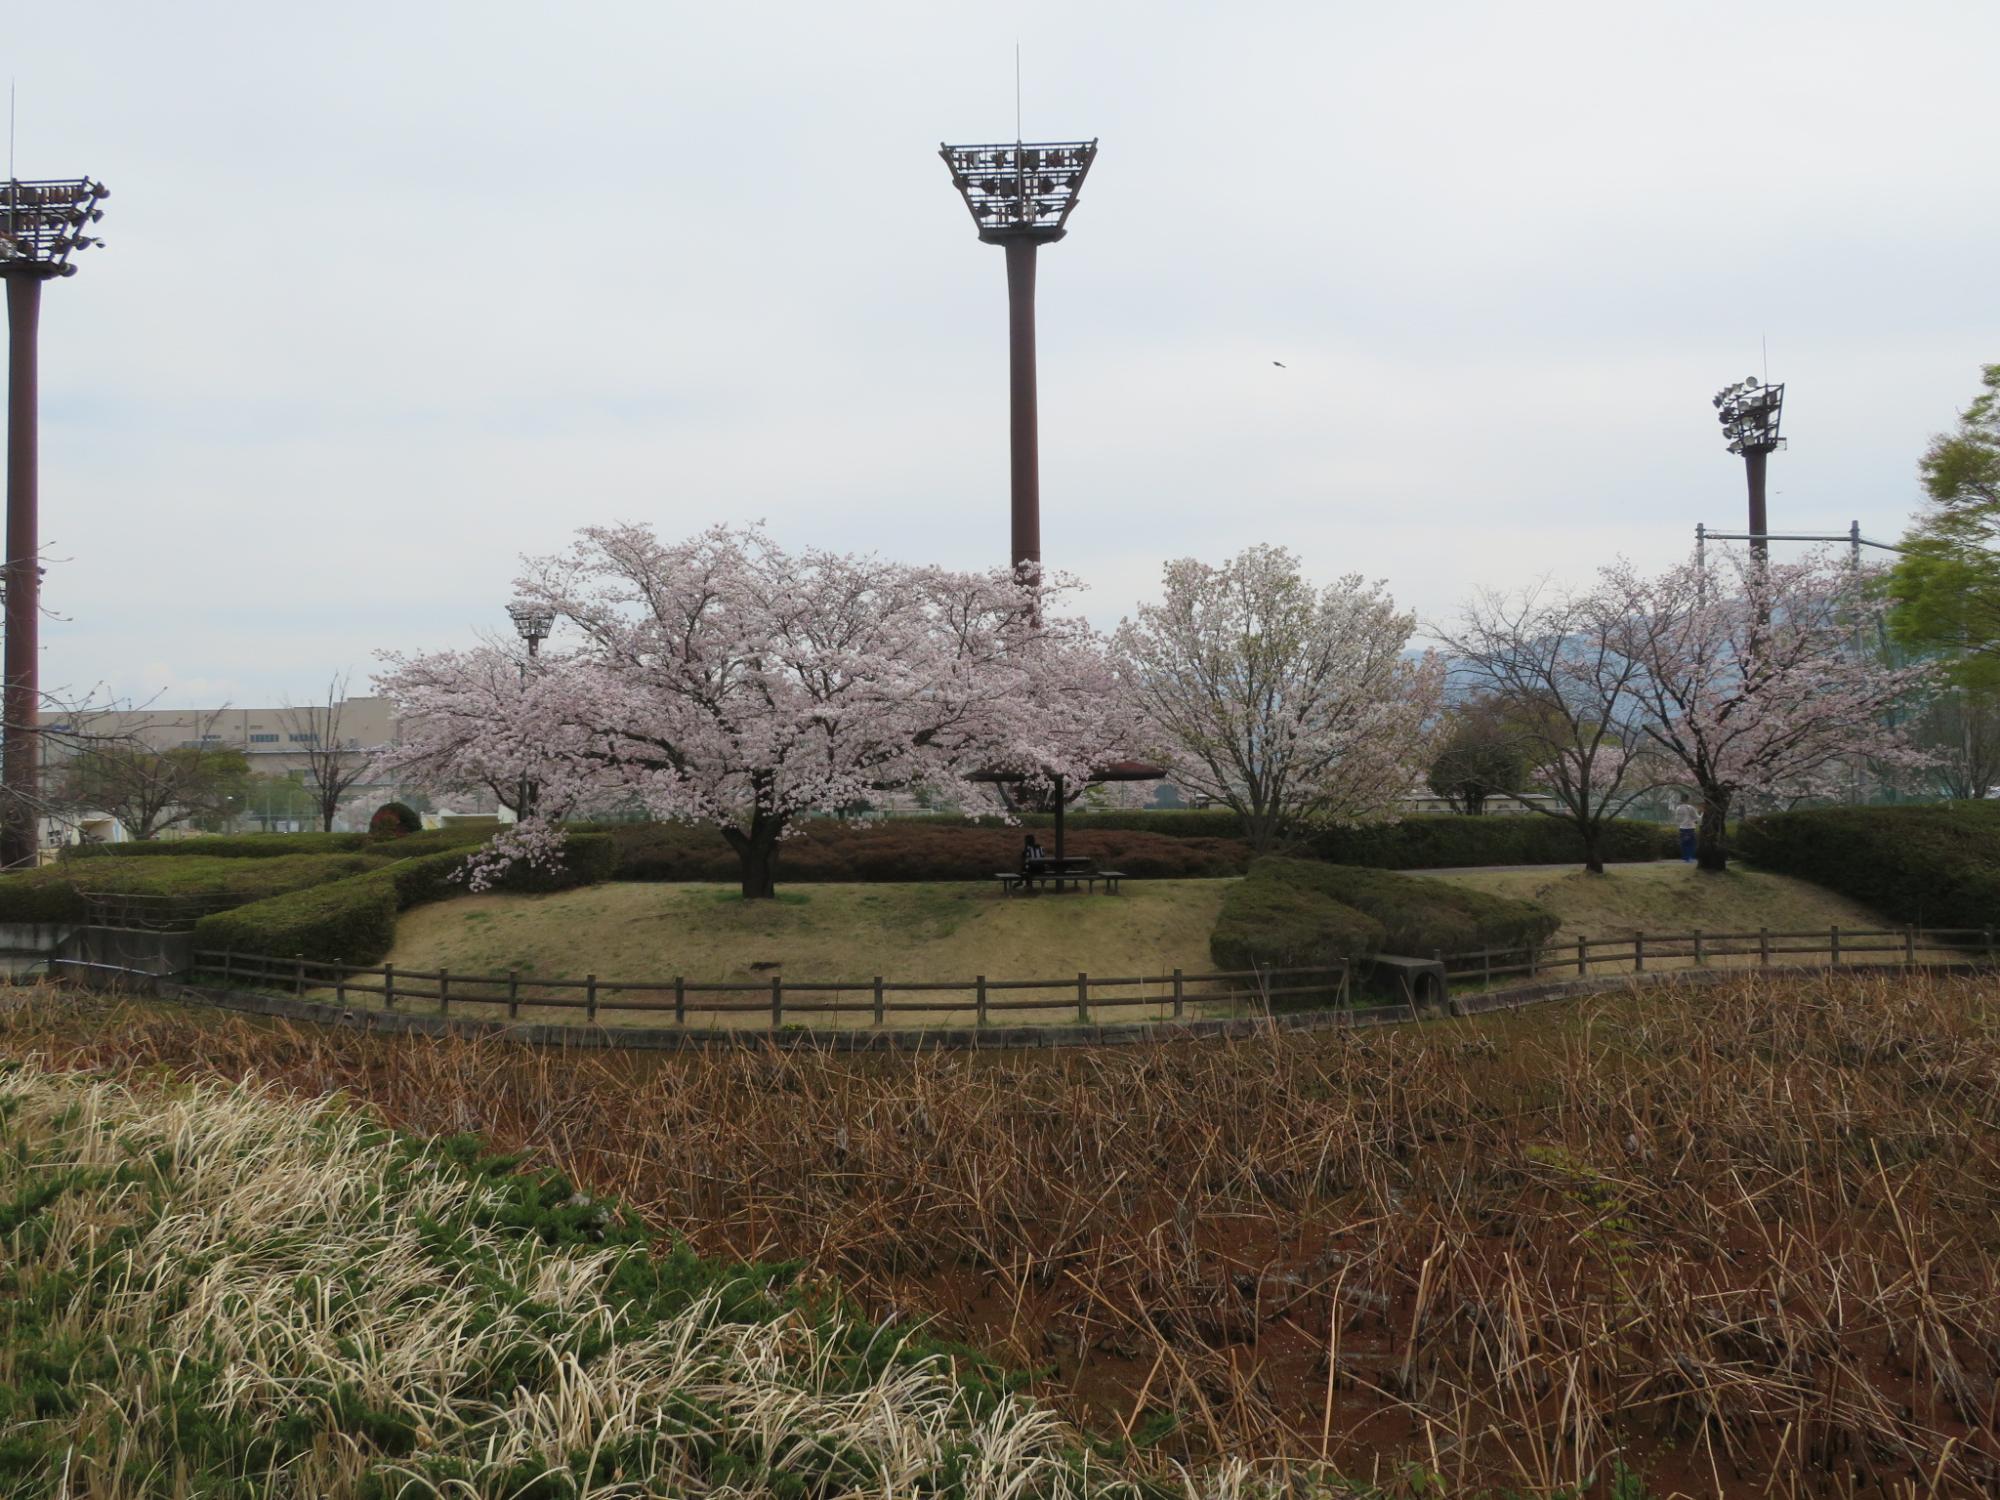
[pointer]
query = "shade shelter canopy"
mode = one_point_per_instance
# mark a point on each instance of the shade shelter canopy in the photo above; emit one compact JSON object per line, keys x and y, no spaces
{"x":1117,"y":770}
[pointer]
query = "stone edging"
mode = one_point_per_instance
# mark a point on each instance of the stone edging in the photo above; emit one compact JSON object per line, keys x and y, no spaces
{"x":663,"y":1038}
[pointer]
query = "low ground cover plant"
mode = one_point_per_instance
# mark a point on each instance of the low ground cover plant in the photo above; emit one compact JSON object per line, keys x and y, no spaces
{"x":1736,"y":1239}
{"x":259,"y":1295}
{"x":62,"y":892}
{"x":1936,"y":866}
{"x":275,"y":845}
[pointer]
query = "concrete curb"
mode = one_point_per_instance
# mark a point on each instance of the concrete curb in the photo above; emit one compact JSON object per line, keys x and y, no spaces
{"x":991,"y":1038}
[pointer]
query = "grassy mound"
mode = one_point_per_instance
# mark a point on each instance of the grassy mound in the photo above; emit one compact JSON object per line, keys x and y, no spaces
{"x":1936,"y":866}
{"x":940,"y":934}
{"x":1669,"y":897}
{"x":225,"y":1292}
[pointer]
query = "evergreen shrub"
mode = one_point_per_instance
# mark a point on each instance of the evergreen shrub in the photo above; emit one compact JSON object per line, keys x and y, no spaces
{"x":1936,"y":865}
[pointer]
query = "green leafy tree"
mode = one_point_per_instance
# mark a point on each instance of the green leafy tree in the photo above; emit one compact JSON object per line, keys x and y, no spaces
{"x":150,"y":790}
{"x":1947,"y":585}
{"x":1479,"y":760}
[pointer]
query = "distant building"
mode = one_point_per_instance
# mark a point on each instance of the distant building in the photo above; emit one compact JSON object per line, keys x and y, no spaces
{"x":274,"y":741}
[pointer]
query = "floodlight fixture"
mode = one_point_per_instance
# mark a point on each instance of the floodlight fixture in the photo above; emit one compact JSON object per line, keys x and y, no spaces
{"x":1750,"y":412}
{"x":42,"y":226}
{"x":532,"y":622}
{"x":1020,"y":196}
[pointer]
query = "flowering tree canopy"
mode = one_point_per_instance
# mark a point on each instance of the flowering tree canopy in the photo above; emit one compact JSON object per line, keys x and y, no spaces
{"x":1291,"y":705}
{"x":1760,"y":677}
{"x":723,"y":680}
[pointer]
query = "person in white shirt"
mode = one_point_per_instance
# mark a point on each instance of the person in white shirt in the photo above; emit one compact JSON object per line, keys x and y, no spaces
{"x":1688,"y":816}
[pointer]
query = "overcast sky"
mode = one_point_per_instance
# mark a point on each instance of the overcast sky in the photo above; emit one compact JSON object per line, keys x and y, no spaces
{"x":395,"y":293}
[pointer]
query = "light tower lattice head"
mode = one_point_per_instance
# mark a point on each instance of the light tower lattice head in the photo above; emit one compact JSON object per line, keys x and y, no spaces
{"x":1750,"y":412}
{"x":1020,"y":196}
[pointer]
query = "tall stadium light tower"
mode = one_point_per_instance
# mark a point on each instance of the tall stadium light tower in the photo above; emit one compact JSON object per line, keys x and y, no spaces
{"x":1749,"y":413}
{"x":41,"y":226}
{"x":1020,"y":197}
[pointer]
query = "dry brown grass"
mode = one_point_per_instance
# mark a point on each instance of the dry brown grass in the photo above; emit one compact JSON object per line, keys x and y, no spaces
{"x":1744,"y":1239}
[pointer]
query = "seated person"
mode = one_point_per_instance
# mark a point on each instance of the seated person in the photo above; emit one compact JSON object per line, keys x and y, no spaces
{"x":1033,"y":860}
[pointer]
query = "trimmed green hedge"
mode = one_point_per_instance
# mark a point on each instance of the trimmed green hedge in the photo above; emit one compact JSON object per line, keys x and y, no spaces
{"x":1269,"y":922}
{"x":60,"y":892}
{"x":1300,"y":913}
{"x":1420,"y":917}
{"x":353,"y":921}
{"x":1936,"y":866}
{"x":1423,"y":840}
{"x":905,"y":849}
{"x":224,"y":846}
{"x":277,"y":845}
{"x":1449,"y":841}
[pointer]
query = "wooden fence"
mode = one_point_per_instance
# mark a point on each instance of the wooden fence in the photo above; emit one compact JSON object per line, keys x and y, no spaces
{"x":1083,"y":997}
{"x":1583,"y":956}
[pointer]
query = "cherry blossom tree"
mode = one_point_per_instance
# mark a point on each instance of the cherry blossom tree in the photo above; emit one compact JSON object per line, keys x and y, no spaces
{"x":1293,"y":706}
{"x":1759,"y":677}
{"x":723,"y":680}
{"x":1546,"y":662}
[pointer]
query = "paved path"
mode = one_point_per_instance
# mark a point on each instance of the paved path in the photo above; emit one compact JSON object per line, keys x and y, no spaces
{"x":1615,"y":864}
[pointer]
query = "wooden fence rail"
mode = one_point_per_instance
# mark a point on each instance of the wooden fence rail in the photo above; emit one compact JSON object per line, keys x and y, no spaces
{"x":1702,"y":949}
{"x":779,"y":1001}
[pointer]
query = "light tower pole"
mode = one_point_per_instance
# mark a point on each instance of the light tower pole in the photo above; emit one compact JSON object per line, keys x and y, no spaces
{"x":1020,"y":197}
{"x":41,"y":226}
{"x":532,"y":623}
{"x":1749,"y":413}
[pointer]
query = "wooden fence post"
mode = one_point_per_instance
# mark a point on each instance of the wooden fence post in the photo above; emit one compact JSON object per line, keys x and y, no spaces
{"x":680,"y":1000}
{"x":444,"y":991}
{"x":590,"y":997}
{"x":513,"y":994}
{"x":1764,"y":947}
{"x":1700,"y":961}
{"x":1486,"y":967}
{"x":1346,"y":980}
{"x":1910,"y":947}
{"x":1582,"y":970}
{"x":1833,"y":942}
{"x":1987,"y":933}
{"x":299,"y":976}
{"x":1180,"y":995}
{"x":981,"y":1013}
{"x":777,"y":1002}
{"x":340,"y":986}
{"x":1534,"y":960}
{"x":1083,"y":998}
{"x":388,"y":986}
{"x":229,"y":958}
{"x":880,"y":1010}
{"x":1638,"y":953}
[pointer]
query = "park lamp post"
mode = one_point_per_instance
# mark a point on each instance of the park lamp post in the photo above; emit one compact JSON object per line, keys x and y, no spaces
{"x":1749,"y":412}
{"x":41,"y":226}
{"x":532,"y":623}
{"x":1020,"y":197}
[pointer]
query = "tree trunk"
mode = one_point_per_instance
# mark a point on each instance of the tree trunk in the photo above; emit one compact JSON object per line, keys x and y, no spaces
{"x":1711,"y":842}
{"x":1593,"y":848}
{"x":758,"y":852}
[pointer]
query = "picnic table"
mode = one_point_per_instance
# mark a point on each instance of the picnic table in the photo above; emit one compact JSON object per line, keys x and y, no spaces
{"x":1061,"y":874}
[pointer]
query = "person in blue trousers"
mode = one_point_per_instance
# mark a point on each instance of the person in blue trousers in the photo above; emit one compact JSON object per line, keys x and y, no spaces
{"x":1689,"y":818}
